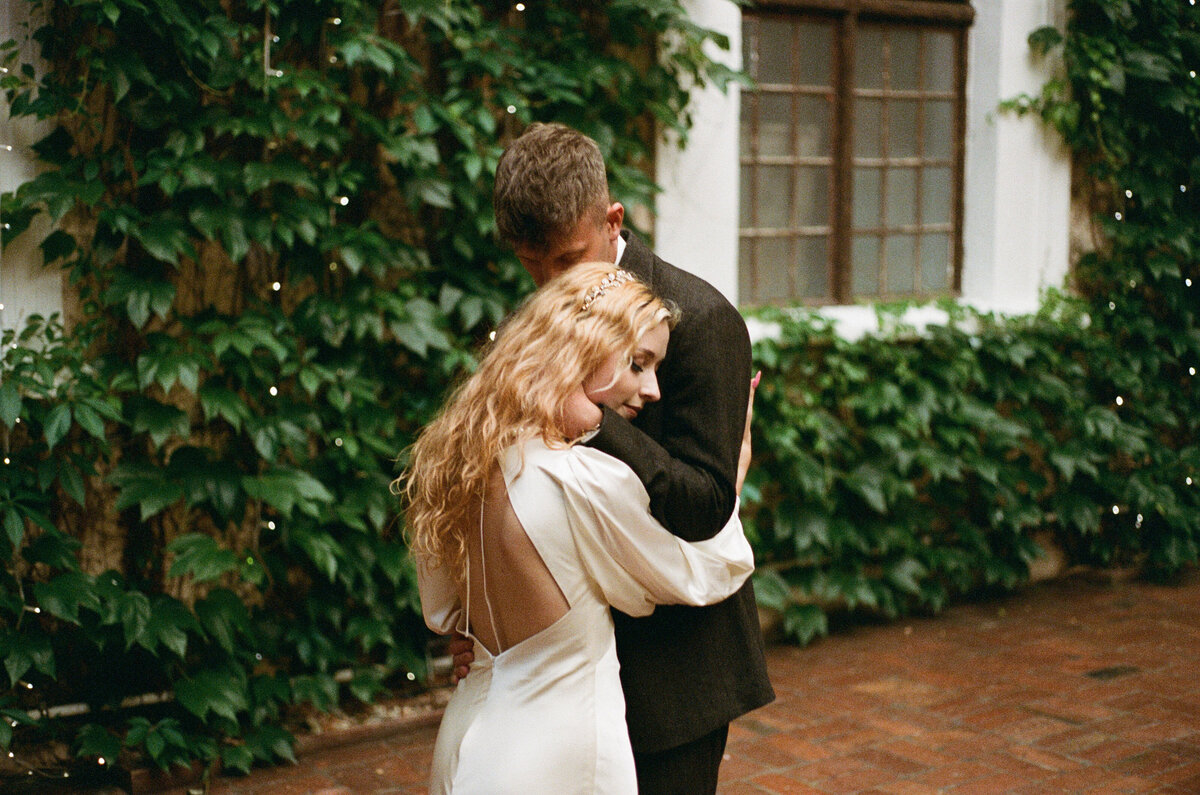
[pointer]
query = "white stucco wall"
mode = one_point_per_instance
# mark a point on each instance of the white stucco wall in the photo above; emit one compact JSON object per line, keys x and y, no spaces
{"x":696,"y":220}
{"x":1016,"y":229}
{"x":1017,"y":176}
{"x":26,"y":287}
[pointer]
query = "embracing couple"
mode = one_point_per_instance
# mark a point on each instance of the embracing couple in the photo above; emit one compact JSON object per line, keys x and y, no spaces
{"x":573,"y":510}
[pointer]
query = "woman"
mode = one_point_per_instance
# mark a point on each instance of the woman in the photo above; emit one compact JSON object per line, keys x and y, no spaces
{"x":498,"y":485}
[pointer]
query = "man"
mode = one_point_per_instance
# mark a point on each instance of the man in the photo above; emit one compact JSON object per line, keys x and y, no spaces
{"x":686,"y":671}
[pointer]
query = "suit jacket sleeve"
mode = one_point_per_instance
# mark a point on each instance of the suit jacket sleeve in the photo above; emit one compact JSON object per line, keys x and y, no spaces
{"x":691,"y":469}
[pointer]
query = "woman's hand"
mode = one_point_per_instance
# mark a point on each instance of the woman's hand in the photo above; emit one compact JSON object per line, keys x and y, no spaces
{"x":744,"y":455}
{"x":580,"y":414}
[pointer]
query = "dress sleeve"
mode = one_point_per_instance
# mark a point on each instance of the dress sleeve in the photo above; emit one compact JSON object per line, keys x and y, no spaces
{"x":439,"y":598}
{"x":635,"y":561}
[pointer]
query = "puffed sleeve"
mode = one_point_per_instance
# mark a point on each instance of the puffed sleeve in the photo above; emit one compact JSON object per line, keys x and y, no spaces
{"x":632,"y":558}
{"x":439,"y":597}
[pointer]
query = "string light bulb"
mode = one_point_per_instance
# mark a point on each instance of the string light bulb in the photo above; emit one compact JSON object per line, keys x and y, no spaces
{"x":276,"y":286}
{"x":520,"y":6}
{"x":273,"y":391}
{"x":1116,"y":510}
{"x":1120,"y":401}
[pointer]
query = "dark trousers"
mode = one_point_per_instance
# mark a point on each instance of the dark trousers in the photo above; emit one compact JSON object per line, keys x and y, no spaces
{"x":688,"y":769}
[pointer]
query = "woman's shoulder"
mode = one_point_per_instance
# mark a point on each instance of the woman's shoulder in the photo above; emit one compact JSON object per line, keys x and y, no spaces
{"x":572,"y":465}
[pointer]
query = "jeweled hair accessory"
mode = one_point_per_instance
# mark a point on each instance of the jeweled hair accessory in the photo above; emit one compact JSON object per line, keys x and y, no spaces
{"x":611,"y":280}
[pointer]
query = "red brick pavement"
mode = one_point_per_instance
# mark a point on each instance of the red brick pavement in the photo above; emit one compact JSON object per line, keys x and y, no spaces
{"x":1069,"y":686}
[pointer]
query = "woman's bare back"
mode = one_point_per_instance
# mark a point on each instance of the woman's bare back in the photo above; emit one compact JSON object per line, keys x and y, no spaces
{"x":507,"y":571}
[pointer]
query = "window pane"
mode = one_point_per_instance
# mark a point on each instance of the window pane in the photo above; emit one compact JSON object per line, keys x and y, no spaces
{"x":939,"y":61}
{"x":901,"y":259}
{"x":774,"y":263}
{"x":774,"y":52}
{"x":773,"y":196}
{"x":812,"y":269}
{"x":936,"y":262}
{"x":774,"y":125}
{"x":812,"y":196}
{"x":905,"y":59}
{"x":868,"y":128}
{"x":901,"y":207}
{"x":745,"y":128}
{"x":867,"y":186}
{"x":902,"y":128}
{"x":937,"y":196}
{"x":816,"y":54}
{"x":864,"y":266}
{"x":745,"y":269}
{"x":815,"y":127}
{"x":939,"y":129}
{"x":868,"y":60}
{"x":746,"y":192}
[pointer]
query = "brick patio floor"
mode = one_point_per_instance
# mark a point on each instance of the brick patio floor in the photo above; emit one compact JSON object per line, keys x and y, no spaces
{"x":1068,"y":686}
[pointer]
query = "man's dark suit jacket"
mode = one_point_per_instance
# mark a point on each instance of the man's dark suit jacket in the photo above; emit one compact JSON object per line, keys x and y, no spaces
{"x":686,"y":671}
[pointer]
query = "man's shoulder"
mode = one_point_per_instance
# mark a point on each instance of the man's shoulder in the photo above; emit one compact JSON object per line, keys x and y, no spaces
{"x":689,"y":291}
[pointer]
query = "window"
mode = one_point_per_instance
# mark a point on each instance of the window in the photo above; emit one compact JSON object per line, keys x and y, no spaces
{"x":852,"y":151}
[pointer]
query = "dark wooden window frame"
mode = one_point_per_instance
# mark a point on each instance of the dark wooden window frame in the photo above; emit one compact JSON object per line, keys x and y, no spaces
{"x":848,"y":15}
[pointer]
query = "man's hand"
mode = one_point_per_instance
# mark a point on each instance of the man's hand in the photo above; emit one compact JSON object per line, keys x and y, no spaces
{"x":462,"y":650}
{"x":580,"y":414}
{"x":744,"y":455}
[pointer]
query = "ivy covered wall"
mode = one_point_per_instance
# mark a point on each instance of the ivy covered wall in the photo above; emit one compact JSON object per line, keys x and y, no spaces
{"x":276,"y":220}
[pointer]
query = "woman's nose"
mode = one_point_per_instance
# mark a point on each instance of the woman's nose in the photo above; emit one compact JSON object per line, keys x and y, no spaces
{"x":649,"y":391}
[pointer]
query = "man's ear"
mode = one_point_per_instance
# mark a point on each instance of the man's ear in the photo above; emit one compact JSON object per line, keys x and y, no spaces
{"x":614,"y":216}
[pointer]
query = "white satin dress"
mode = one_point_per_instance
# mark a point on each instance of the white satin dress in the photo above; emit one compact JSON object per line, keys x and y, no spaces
{"x":547,"y":714}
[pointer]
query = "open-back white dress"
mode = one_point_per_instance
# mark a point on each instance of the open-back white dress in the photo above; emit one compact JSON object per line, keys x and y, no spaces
{"x":547,"y":714}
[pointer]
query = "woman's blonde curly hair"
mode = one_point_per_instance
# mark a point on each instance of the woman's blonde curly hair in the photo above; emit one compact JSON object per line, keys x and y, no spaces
{"x":541,"y":354}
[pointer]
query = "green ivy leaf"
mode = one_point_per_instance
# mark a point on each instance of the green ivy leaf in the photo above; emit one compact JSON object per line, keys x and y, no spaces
{"x":90,"y":421}
{"x":146,"y":487}
{"x":62,"y":596}
{"x":224,"y":617}
{"x":219,"y":401}
{"x":94,"y":740}
{"x":14,"y":527}
{"x":10,"y":403}
{"x":285,"y":489}
{"x":167,"y":626}
{"x":58,"y":422}
{"x":218,"y":692}
{"x":200,"y":556}
{"x":134,"y":613}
